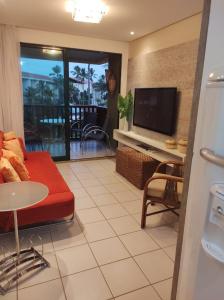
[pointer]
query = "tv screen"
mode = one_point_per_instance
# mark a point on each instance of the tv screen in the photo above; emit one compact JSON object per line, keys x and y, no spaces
{"x":155,"y":109}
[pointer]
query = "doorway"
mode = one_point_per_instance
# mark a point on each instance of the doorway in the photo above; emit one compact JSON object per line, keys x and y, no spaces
{"x":88,"y":104}
{"x":70,"y":99}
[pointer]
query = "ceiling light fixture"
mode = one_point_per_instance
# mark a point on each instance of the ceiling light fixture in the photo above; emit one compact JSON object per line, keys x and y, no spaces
{"x":69,"y":6}
{"x":51,"y":51}
{"x":132,"y":33}
{"x":90,"y":11}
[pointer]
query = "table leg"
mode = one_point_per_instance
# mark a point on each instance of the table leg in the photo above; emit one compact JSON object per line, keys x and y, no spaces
{"x":16,"y":232}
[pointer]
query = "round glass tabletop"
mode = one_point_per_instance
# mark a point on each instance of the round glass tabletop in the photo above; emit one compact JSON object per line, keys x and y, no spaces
{"x":18,"y":195}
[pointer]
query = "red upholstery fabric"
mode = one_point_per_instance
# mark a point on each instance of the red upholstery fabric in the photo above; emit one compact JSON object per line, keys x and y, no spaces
{"x":1,"y":177}
{"x":1,"y":139}
{"x":42,"y":169}
{"x":22,"y":145}
{"x":58,"y":204}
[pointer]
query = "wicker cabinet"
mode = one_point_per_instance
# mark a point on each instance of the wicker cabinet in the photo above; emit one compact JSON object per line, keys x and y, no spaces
{"x":135,"y":166}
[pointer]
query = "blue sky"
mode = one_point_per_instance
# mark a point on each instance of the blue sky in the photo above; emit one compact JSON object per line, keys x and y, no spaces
{"x":44,"y":67}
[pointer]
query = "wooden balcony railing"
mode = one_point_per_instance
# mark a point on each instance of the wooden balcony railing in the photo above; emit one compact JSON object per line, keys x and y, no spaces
{"x":49,"y":120}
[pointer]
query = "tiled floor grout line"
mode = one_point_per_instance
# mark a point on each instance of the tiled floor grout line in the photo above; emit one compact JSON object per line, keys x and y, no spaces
{"x":129,"y":232}
{"x":95,"y":261}
{"x":116,"y":235}
{"x":101,"y":270}
{"x":58,"y":266}
{"x":54,"y":252}
{"x":133,"y":257}
{"x":99,"y":266}
{"x":60,"y":277}
{"x":39,"y":283}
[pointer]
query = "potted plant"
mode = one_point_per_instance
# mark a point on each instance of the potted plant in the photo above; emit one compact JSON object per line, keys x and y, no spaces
{"x":125,"y":107}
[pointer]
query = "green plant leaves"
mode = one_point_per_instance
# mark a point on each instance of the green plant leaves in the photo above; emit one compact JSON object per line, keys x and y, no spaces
{"x":125,"y":106}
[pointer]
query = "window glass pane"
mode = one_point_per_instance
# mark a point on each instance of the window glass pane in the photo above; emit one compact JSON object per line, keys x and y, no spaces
{"x":43,"y":95}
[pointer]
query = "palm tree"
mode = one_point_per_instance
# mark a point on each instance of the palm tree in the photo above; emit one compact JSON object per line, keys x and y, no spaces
{"x":90,"y":76}
{"x":48,"y":95}
{"x":101,"y":86}
{"x":58,"y":80}
{"x":31,"y":93}
{"x":73,"y":93}
{"x":77,"y":72}
{"x":41,"y":87}
{"x":80,"y":74}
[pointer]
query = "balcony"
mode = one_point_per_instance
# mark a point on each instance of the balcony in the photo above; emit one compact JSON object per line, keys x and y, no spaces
{"x":45,"y":126}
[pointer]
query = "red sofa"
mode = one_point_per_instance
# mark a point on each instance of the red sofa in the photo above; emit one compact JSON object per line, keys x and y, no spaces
{"x":59,"y":203}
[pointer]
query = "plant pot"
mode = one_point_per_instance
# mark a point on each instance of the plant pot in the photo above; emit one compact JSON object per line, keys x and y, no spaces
{"x":127,"y":125}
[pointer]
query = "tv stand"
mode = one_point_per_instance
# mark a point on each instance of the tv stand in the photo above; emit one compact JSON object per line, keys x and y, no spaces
{"x":152,"y":147}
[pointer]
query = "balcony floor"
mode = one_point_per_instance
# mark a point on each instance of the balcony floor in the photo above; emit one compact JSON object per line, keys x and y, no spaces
{"x":91,"y":149}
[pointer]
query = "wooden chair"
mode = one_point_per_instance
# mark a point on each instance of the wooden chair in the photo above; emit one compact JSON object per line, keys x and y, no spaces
{"x":163,"y":188}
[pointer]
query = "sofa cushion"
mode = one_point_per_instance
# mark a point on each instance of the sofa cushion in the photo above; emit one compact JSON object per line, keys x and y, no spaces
{"x":59,"y":203}
{"x":22,"y":145}
{"x":14,"y":146}
{"x":19,"y":167}
{"x":8,"y":172}
{"x":52,"y":208}
{"x":1,"y":139}
{"x":10,"y":135}
{"x":42,"y":169}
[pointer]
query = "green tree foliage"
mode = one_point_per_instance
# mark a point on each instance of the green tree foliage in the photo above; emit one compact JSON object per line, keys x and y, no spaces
{"x":74,"y":93}
{"x":58,"y":80}
{"x":125,"y":106}
{"x":31,"y":94}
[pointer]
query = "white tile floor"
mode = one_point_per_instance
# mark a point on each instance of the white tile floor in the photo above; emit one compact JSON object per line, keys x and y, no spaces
{"x":104,"y":254}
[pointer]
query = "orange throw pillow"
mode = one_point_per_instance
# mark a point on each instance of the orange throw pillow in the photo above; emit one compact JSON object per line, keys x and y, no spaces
{"x":8,"y":154}
{"x":7,"y":171}
{"x":20,"y":168}
{"x":1,"y":139}
{"x":14,"y":146}
{"x":11,"y":135}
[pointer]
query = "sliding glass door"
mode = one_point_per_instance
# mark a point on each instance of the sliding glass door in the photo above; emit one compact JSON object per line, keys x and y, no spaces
{"x":65,"y":92}
{"x":45,"y":117}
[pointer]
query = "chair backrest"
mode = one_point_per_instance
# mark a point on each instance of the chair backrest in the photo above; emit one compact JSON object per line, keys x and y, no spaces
{"x":90,"y":118}
{"x":171,"y":168}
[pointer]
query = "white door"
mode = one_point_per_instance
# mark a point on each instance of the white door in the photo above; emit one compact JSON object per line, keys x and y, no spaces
{"x":201,"y":276}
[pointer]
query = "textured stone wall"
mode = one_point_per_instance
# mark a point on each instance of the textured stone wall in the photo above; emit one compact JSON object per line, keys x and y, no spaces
{"x":170,"y":67}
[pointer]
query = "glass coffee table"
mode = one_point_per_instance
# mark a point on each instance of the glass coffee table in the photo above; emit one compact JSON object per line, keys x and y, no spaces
{"x":13,"y":197}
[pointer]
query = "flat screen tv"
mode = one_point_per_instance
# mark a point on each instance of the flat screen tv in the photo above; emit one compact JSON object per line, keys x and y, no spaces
{"x":155,"y":109}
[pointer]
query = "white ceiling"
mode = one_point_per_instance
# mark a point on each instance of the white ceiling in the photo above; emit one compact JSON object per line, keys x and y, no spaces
{"x":140,"y":16}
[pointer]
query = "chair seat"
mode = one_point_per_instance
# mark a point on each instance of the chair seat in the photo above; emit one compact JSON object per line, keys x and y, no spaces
{"x":156,"y":187}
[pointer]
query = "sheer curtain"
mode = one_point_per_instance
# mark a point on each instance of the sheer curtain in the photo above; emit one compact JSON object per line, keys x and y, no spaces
{"x":11,"y":102}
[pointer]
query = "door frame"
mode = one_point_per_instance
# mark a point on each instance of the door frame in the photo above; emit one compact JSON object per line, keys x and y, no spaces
{"x":191,"y":137}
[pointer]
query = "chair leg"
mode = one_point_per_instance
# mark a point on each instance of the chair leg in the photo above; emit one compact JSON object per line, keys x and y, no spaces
{"x":144,"y":212}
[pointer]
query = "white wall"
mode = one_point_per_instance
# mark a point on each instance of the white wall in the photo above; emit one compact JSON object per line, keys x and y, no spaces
{"x":178,"y":33}
{"x":78,"y":42}
{"x":197,"y":280}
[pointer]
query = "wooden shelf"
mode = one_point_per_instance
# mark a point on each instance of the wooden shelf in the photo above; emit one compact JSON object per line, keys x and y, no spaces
{"x":158,"y":149}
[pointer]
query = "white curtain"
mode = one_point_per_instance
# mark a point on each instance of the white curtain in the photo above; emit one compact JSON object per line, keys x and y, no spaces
{"x":11,"y":102}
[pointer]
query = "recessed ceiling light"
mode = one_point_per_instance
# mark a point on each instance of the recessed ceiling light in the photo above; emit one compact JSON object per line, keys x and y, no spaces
{"x":132,"y":33}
